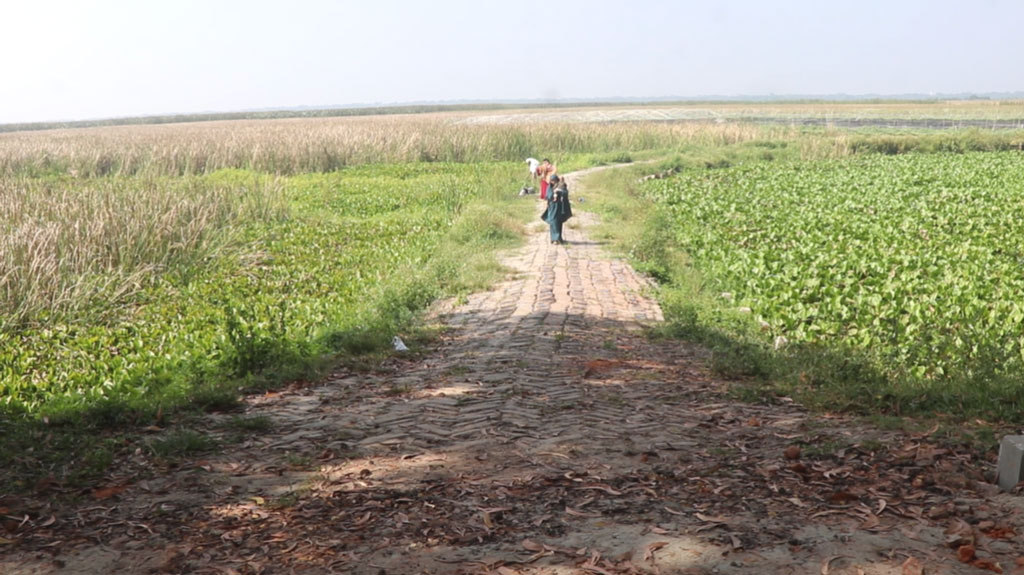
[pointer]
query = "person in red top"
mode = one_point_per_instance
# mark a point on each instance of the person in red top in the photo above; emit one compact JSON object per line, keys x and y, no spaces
{"x":545,"y":170}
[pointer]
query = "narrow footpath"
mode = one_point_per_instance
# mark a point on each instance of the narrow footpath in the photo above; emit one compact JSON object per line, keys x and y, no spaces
{"x":546,"y":433}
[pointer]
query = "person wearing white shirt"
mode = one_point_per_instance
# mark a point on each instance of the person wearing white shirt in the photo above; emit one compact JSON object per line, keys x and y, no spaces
{"x":533,"y":163}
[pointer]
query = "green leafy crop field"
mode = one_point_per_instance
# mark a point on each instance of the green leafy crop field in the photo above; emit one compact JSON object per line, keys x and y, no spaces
{"x":915,"y":262}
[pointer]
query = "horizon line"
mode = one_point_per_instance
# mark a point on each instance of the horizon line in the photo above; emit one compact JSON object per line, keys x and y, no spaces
{"x":424,"y":106}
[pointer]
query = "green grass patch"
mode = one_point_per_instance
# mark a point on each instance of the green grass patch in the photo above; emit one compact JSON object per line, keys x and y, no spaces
{"x":250,"y":424}
{"x":180,"y":443}
{"x":953,"y":141}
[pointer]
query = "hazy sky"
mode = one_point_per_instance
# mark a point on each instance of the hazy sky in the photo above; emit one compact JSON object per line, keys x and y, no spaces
{"x":80,"y":59}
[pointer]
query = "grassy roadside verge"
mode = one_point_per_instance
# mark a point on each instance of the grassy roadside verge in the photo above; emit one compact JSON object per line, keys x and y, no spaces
{"x":352,"y":261}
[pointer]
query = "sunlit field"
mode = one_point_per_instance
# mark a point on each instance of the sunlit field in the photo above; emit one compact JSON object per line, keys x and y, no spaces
{"x":146,"y":267}
{"x":907,"y":268}
{"x":152,"y":268}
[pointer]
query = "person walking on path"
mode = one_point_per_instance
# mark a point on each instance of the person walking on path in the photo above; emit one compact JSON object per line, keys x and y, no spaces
{"x":559,"y":209}
{"x":544,"y":172}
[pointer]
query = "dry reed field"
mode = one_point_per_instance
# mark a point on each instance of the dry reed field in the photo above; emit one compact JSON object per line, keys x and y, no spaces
{"x":85,"y":245}
{"x":290,"y":146}
{"x":299,"y":145}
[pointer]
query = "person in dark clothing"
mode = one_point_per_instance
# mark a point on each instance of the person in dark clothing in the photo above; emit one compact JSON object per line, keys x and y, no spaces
{"x":558,"y":210}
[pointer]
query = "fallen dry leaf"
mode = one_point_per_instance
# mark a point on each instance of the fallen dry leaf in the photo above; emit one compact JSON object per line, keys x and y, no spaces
{"x":531,"y":545}
{"x":796,"y":501}
{"x":988,"y":565}
{"x":108,"y":492}
{"x":965,"y":553}
{"x":912,"y":567}
{"x":792,"y":452}
{"x":837,"y":472}
{"x":48,"y":522}
{"x":604,"y":488}
{"x":710,"y":518}
{"x":840,"y":497}
{"x":538,"y":555}
{"x":650,"y":549}
{"x":598,"y":365}
{"x":959,"y":533}
{"x":826,"y":564}
{"x":44,"y":484}
{"x":927,"y":433}
{"x":578,"y":513}
{"x":871,"y":521}
{"x":1001,"y":533}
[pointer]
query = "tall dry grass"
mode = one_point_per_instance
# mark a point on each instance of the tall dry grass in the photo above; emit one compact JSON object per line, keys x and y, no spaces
{"x":295,"y":145}
{"x":318,"y":145}
{"x":86,"y":247}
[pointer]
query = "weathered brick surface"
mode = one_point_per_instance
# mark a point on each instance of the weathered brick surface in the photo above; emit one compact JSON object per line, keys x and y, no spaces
{"x":512,"y":363}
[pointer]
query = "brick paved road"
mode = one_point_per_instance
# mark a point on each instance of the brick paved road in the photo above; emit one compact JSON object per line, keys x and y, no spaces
{"x":511,"y":358}
{"x":545,"y":434}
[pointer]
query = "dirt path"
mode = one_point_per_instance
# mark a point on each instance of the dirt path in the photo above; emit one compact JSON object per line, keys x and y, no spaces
{"x":547,"y":435}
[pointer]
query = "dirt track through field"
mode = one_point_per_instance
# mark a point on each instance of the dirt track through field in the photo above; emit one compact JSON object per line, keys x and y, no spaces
{"x":545,"y":433}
